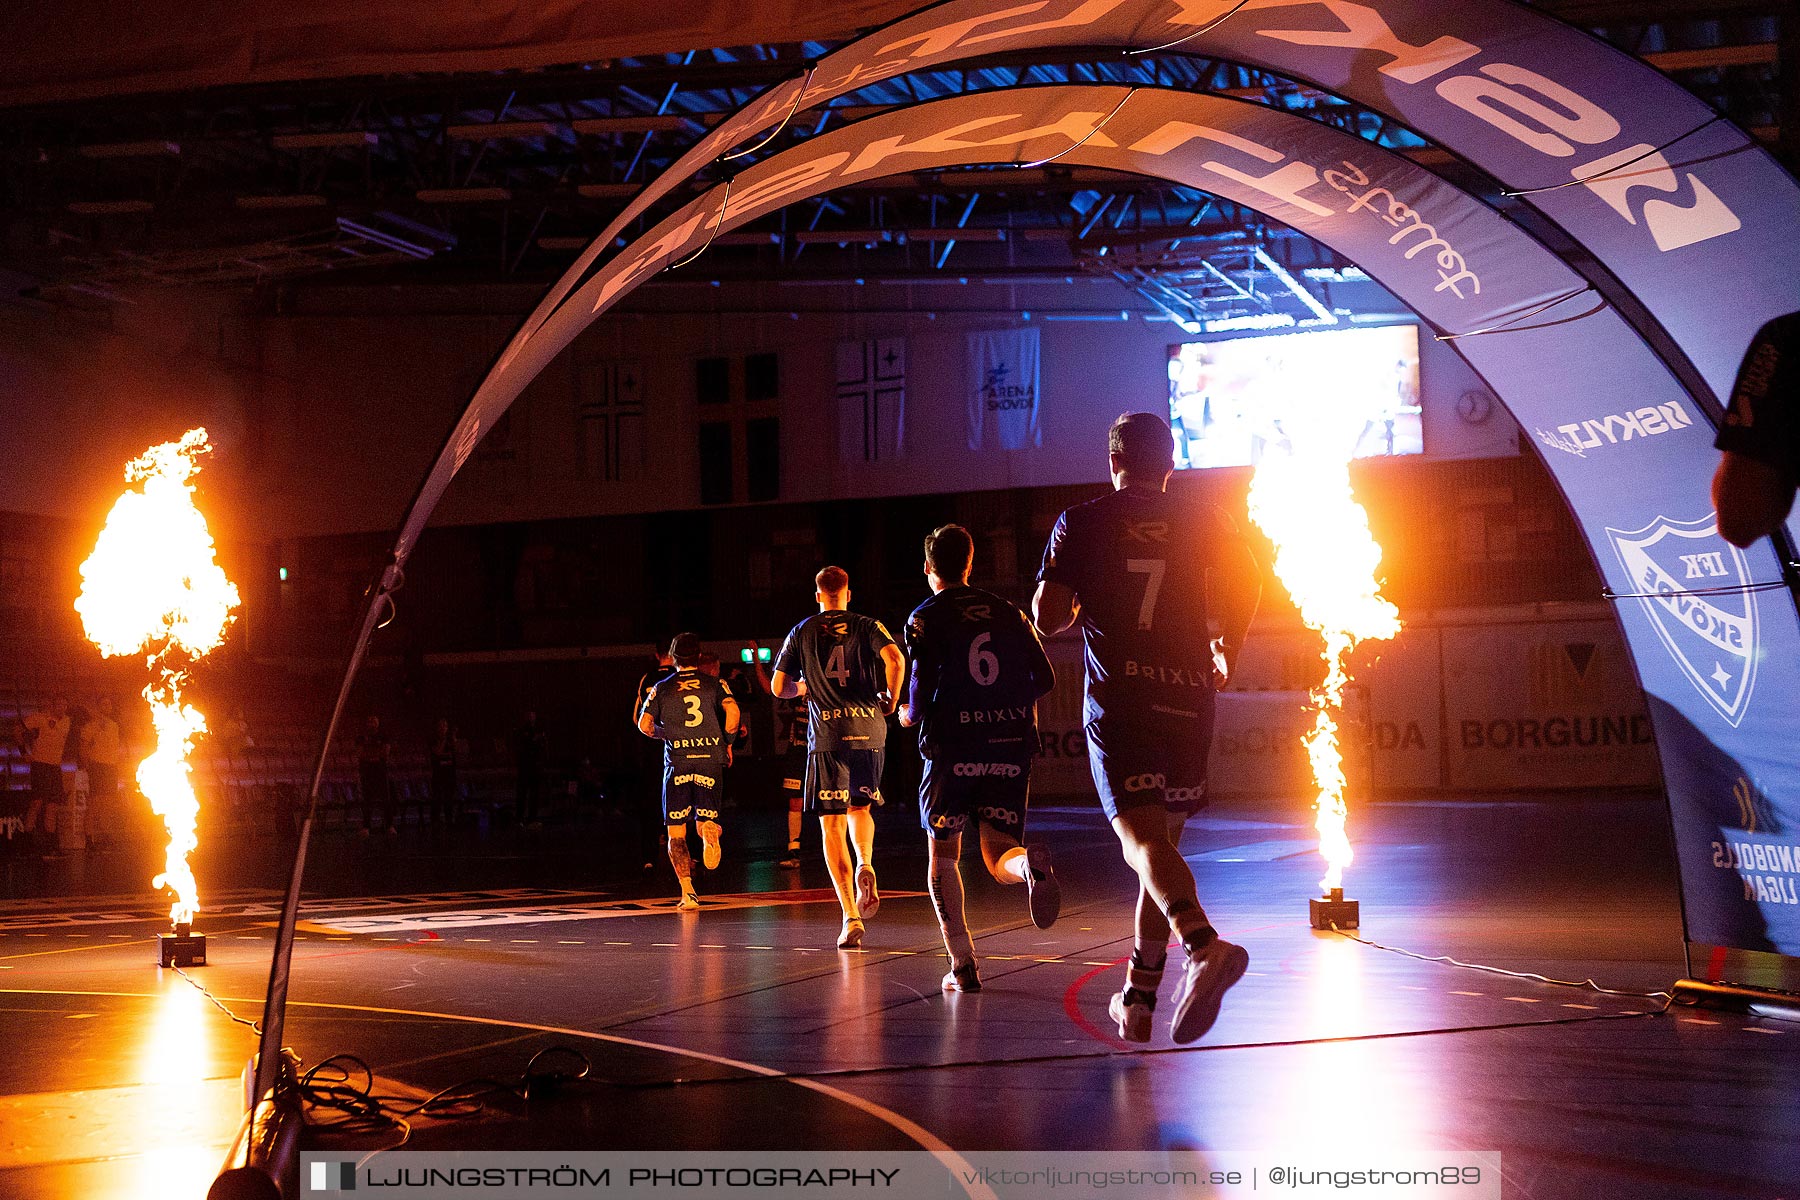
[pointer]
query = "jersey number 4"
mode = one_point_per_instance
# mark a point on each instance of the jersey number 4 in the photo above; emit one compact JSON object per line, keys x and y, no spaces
{"x":836,"y":668}
{"x":1152,"y":569}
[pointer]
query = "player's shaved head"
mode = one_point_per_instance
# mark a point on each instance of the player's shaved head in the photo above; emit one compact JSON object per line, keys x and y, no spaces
{"x":948,"y":552}
{"x":1141,"y":444}
{"x":833,"y":581}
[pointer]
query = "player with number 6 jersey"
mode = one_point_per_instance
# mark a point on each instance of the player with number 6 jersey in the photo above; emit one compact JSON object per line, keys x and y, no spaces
{"x":977,"y":672}
{"x":849,"y":669}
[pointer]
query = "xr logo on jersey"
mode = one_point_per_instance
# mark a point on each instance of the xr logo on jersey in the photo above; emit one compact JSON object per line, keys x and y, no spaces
{"x":688,"y":685}
{"x":1148,"y":531}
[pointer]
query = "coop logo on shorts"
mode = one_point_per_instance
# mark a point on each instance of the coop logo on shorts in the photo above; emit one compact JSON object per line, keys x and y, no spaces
{"x":1143,"y":783}
{"x":331,"y":1177}
{"x":1692,"y":584}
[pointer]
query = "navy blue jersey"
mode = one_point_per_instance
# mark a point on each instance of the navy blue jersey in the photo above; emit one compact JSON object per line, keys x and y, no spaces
{"x":688,"y":708}
{"x":1763,"y":418}
{"x":838,"y":654}
{"x":1137,"y":560}
{"x":977,"y":672}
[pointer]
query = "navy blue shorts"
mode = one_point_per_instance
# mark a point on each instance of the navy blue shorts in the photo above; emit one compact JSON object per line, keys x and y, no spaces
{"x":970,"y":785}
{"x":840,"y":780}
{"x":692,"y":791}
{"x":1151,"y":759}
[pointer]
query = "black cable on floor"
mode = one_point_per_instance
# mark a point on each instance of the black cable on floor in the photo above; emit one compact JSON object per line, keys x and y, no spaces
{"x":217,"y":1003}
{"x":1587,"y":984}
{"x":338,"y":1094}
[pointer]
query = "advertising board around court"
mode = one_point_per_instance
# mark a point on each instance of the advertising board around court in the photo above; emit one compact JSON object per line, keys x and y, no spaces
{"x":1475,"y":703}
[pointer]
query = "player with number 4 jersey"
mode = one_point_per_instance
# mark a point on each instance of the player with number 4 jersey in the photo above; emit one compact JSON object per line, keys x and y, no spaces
{"x":849,"y":669}
{"x":977,"y":672}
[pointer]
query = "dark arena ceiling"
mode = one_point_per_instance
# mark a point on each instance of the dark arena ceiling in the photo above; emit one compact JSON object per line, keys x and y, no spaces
{"x":200,"y":148}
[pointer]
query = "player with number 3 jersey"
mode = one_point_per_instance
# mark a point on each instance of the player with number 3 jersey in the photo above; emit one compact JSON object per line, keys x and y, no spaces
{"x":696,"y":716}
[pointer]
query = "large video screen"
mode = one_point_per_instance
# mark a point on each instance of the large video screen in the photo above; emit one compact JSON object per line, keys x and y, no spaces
{"x":1232,"y":399}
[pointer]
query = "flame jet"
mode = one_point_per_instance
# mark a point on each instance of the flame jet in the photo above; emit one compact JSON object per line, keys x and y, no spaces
{"x":153,"y":586}
{"x":1325,"y":556}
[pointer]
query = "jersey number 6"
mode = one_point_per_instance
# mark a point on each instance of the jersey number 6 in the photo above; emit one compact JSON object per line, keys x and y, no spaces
{"x":984,"y":667}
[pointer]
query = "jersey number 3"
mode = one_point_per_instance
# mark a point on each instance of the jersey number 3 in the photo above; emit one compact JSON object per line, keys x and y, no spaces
{"x":694,"y":715}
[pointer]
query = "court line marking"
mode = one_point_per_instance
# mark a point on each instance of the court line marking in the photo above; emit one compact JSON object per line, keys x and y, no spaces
{"x":959,"y":1167}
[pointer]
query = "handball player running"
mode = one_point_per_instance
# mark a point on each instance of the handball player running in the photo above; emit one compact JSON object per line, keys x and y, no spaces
{"x":849,"y":669}
{"x":1136,"y":569}
{"x":977,"y":672}
{"x":696,"y":717}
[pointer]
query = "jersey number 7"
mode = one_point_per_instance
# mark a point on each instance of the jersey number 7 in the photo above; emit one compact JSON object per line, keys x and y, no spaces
{"x":1152,"y":569}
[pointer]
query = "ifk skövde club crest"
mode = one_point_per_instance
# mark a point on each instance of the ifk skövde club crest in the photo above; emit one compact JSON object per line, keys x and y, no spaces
{"x":1694,"y":587}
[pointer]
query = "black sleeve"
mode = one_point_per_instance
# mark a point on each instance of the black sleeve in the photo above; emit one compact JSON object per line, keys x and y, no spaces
{"x":1762,"y":421}
{"x":1043,"y":676}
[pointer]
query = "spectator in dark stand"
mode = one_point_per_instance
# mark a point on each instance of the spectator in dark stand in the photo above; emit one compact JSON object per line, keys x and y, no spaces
{"x":102,"y":746}
{"x":529,"y":746}
{"x":46,"y":737}
{"x":446,"y":791}
{"x":372,"y":754}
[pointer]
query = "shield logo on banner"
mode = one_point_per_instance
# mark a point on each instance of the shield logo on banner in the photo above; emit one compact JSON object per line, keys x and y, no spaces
{"x":1695,"y":589}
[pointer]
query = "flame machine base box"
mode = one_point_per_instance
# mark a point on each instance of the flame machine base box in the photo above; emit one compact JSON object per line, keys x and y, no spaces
{"x":1332,"y":910}
{"x":181,"y":950}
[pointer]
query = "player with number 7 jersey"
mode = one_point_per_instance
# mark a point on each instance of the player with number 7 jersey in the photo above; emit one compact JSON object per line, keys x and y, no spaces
{"x":1136,"y":569}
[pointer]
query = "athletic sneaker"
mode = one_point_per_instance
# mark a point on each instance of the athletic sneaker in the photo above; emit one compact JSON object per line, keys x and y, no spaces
{"x":688,"y":902}
{"x":709,"y":838}
{"x":963,"y":979}
{"x":1211,"y":970}
{"x":1043,"y":895}
{"x":1132,"y":1013}
{"x":867,"y":898}
{"x":792,"y":861}
{"x":851,"y":935}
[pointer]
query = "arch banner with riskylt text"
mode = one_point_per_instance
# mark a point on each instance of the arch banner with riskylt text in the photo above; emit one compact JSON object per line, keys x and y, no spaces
{"x":1612,"y":354}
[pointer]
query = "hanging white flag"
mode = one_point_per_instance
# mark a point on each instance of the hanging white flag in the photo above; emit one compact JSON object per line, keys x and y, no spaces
{"x":871,"y":393}
{"x":1003,"y":388}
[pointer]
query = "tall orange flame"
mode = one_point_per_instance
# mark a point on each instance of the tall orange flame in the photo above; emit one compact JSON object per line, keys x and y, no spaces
{"x":1325,"y":556}
{"x":152,"y":584}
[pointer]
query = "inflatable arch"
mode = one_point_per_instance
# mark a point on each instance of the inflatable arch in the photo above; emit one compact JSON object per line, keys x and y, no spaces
{"x":1688,"y":230}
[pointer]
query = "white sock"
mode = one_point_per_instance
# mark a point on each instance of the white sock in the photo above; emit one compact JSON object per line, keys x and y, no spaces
{"x":1013,"y":863}
{"x":947,"y":897}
